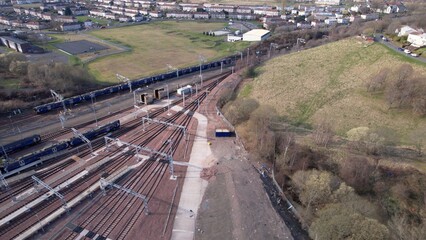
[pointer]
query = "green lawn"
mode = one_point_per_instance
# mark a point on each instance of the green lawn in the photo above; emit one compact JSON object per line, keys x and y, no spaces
{"x":157,"y":44}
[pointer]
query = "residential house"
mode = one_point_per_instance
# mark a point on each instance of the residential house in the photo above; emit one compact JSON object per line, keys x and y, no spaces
{"x":328,"y":2}
{"x":395,"y":8}
{"x":272,"y":12}
{"x":79,"y":11}
{"x":65,"y":19}
{"x":138,"y":18}
{"x":406,"y":30}
{"x":201,"y":15}
{"x":70,"y":26}
{"x":155,"y":14}
{"x":168,"y":6}
{"x":5,"y":20}
{"x":246,"y":10}
{"x":343,"y":20}
{"x":330,"y":21}
{"x":217,"y":15}
{"x":35,"y":25}
{"x":124,"y":18}
{"x":185,"y":15}
{"x":189,"y":7}
{"x":417,"y":39}
{"x":242,"y":16}
{"x":370,"y":16}
{"x":97,"y":13}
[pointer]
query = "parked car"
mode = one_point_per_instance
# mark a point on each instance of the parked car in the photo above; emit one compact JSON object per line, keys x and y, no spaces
{"x":414,"y":55}
{"x":400,"y":49}
{"x":407,"y":51}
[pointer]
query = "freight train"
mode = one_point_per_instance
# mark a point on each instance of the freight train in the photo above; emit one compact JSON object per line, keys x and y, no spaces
{"x":134,"y":84}
{"x":18,"y":145}
{"x":73,"y":142}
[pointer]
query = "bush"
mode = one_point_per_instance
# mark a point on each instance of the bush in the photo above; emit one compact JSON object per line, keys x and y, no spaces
{"x":239,"y":110}
{"x":336,"y":221}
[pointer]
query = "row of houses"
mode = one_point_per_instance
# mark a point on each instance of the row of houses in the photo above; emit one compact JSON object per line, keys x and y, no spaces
{"x":17,"y":23}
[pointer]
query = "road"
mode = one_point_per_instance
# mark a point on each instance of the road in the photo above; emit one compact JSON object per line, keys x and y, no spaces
{"x":390,"y":45}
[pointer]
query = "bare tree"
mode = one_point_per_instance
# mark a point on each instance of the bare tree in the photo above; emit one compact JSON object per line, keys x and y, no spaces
{"x":378,"y":82}
{"x":322,"y":134}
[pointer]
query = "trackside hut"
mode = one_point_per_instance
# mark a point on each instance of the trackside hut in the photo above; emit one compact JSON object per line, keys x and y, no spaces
{"x":256,"y":35}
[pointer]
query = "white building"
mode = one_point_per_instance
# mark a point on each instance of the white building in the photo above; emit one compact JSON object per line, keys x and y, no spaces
{"x":256,"y":35}
{"x":417,"y":39}
{"x":406,"y":30}
{"x":328,"y":2}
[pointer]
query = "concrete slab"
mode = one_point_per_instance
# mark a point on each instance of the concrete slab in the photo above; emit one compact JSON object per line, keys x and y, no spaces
{"x":193,"y":186}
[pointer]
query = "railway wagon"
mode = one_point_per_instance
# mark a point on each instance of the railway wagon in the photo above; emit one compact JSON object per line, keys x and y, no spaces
{"x":35,"y":156}
{"x":134,"y":84}
{"x":92,"y":134}
{"x":20,"y":144}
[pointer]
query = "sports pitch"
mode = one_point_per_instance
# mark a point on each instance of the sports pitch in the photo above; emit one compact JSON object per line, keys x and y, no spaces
{"x":80,"y":47}
{"x":158,"y":44}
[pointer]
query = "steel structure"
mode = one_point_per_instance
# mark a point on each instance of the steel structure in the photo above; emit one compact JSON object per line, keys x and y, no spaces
{"x":183,"y":128}
{"x":173,"y":68}
{"x":137,"y":147}
{"x":104,"y":184}
{"x":83,"y":138}
{"x":124,"y":79}
{"x":3,"y":181}
{"x":92,"y":95}
{"x":58,"y":98}
{"x":134,"y":95}
{"x":43,"y":184}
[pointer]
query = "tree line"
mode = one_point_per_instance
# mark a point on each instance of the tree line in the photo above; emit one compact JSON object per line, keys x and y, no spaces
{"x":33,"y":80}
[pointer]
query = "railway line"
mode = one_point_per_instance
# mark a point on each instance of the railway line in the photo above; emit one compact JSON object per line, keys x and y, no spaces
{"x":145,"y":179}
{"x":118,"y":201}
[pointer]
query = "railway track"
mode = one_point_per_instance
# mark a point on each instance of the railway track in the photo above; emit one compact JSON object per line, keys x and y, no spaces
{"x":148,"y":136}
{"x":137,"y":184}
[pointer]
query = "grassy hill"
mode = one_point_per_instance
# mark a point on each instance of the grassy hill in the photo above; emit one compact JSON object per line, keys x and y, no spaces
{"x":328,"y":83}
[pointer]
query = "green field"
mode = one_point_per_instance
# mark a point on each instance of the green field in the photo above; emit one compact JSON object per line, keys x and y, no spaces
{"x":157,"y":44}
{"x":327,"y":83}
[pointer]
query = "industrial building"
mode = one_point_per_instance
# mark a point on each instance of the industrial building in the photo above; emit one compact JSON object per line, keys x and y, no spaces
{"x":256,"y":35}
{"x":15,"y":43}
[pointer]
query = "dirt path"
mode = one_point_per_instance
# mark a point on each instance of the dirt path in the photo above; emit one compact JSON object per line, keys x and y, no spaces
{"x":235,"y":204}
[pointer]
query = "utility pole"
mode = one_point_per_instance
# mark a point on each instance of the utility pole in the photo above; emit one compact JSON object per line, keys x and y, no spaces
{"x":202,"y":60}
{"x":168,"y":99}
{"x":248,"y":55}
{"x":173,"y":68}
{"x":270,"y":48}
{"x":92,"y":95}
{"x":58,"y":98}
{"x":124,"y":79}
